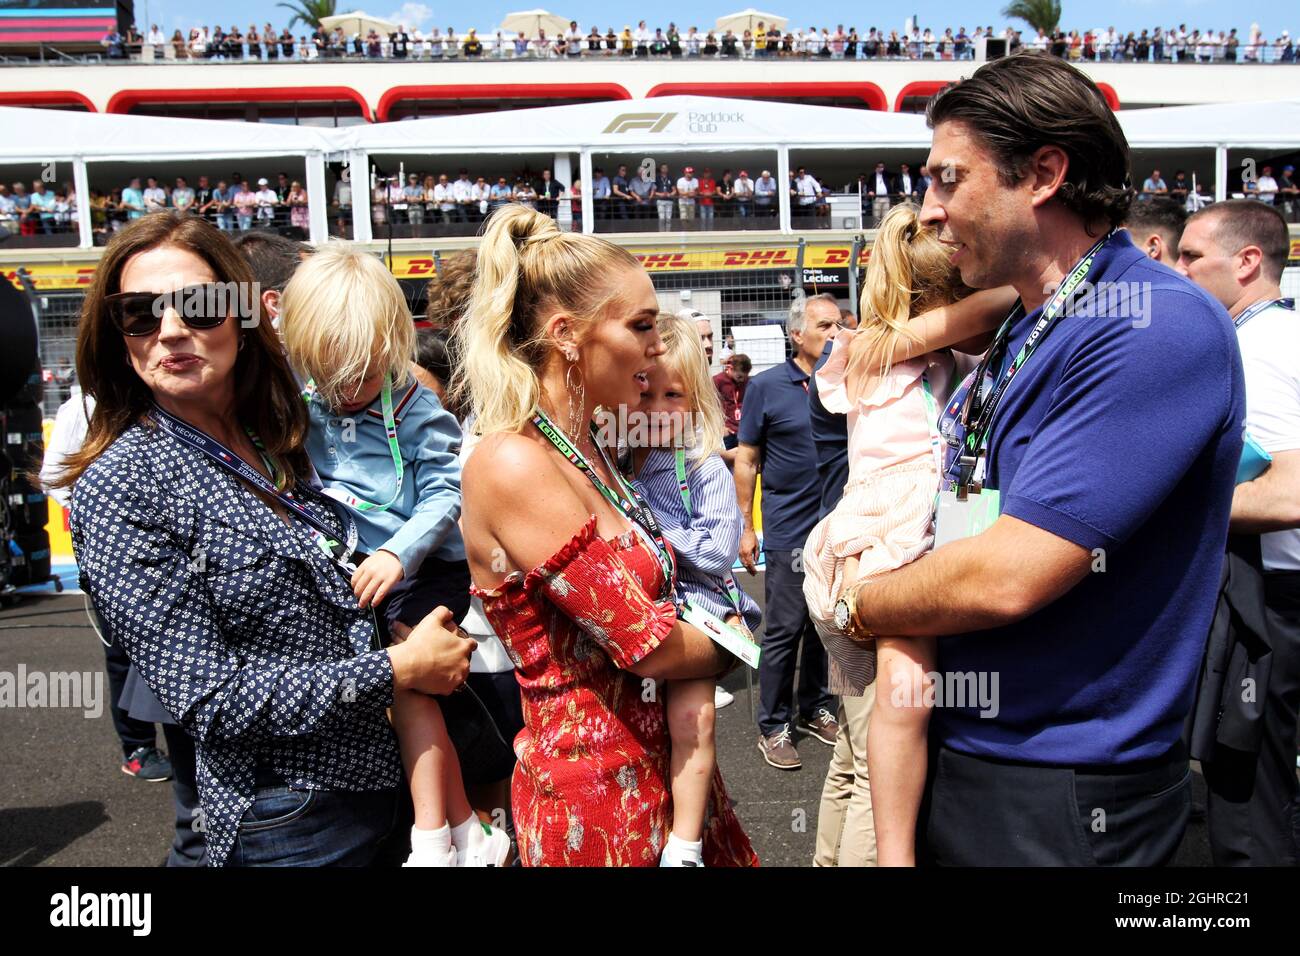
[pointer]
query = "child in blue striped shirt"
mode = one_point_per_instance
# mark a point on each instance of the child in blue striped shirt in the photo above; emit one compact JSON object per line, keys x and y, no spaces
{"x":676,"y":466}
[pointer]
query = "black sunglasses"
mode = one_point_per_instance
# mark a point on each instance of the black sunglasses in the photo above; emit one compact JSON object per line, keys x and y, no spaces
{"x":203,"y":306}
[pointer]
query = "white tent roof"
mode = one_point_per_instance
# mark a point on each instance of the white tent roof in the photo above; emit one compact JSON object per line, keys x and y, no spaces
{"x":38,"y":135}
{"x":689,"y":121}
{"x":1266,"y":124}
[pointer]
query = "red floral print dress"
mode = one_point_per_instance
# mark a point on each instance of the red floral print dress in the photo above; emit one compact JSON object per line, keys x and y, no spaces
{"x":591,"y":786}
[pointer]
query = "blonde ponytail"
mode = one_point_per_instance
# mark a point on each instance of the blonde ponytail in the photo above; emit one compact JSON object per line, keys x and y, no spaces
{"x":525,"y":264}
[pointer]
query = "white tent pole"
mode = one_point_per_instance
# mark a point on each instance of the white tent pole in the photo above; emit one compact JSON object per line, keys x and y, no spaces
{"x":358,"y":170}
{"x":317,"y":200}
{"x":81,"y":183}
{"x":783,"y":187}
{"x":588,"y":202}
{"x":1220,"y":173}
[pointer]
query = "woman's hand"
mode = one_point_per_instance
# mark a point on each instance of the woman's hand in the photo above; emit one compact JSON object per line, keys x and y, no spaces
{"x":375,"y":577}
{"x":434,"y":657}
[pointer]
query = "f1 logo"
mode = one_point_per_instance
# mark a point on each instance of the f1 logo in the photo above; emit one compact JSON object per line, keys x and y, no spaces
{"x":650,"y":122}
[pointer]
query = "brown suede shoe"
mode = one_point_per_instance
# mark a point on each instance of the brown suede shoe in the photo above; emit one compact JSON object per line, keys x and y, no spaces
{"x":822,"y":727}
{"x":778,"y":750}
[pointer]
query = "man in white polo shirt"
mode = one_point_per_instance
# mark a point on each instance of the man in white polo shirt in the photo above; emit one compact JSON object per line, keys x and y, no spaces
{"x":444,"y":198}
{"x":462,"y":194}
{"x":1236,"y":251}
{"x":765,"y":202}
{"x":807,"y":189}
{"x":687,"y":188}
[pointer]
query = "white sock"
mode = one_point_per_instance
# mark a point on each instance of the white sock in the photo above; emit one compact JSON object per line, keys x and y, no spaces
{"x":463,"y":833}
{"x":679,"y":850}
{"x":432,"y":844}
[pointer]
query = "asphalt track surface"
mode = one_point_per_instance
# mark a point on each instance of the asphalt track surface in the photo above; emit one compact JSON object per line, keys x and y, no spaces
{"x":65,"y":802}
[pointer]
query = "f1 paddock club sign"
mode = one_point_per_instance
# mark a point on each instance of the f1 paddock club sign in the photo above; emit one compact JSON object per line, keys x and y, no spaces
{"x":710,"y":121}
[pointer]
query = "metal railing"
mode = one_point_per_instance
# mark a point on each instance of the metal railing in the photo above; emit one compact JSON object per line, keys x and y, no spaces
{"x":1269,"y":52}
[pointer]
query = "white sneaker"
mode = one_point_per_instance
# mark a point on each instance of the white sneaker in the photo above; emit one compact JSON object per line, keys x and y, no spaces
{"x":488,"y":847}
{"x":671,"y":856}
{"x":721,"y":697}
{"x":432,"y":858}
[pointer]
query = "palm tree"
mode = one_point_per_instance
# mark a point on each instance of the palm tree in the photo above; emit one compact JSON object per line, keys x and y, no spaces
{"x":1040,"y":14}
{"x":309,"y":12}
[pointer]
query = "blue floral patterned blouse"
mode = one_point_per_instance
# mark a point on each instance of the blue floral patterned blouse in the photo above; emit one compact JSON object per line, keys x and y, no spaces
{"x":237,"y":620}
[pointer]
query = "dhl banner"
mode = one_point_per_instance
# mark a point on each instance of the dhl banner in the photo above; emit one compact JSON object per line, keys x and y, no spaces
{"x":66,"y":276}
{"x":52,"y":278}
{"x":691,"y":260}
{"x":61,"y":277}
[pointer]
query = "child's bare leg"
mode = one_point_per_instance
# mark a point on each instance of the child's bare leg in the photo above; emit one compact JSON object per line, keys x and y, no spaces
{"x":896,"y":744}
{"x":690,"y":727}
{"x":432,"y":768}
{"x":437,"y":791}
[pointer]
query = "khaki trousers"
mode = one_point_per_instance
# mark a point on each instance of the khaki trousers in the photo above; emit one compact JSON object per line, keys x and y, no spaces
{"x":846,"y":830}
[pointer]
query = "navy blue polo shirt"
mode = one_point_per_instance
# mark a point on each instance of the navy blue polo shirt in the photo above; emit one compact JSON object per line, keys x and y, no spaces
{"x":774,"y":419}
{"x":830,"y":435}
{"x":1121,"y":433}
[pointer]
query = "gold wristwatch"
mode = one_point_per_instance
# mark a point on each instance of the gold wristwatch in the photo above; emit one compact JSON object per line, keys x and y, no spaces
{"x":846,"y":614}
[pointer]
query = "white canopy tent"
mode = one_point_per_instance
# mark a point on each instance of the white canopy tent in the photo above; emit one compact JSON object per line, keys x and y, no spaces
{"x":75,"y":137}
{"x":1266,"y":125}
{"x":749,"y":19}
{"x":530,"y":22}
{"x":662,"y":125}
{"x":1217,"y":126}
{"x":360,"y":23}
{"x":654,"y":126}
{"x":699,"y":121}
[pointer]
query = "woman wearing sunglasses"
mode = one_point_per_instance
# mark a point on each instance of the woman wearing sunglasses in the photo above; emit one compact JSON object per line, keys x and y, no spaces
{"x":220,"y":570}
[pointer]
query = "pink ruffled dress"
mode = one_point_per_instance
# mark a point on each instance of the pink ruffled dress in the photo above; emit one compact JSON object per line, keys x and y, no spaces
{"x":887,"y":512}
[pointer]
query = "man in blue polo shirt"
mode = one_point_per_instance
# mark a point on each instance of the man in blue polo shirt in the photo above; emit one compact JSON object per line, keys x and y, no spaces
{"x":775,"y":438}
{"x":1071,"y":629}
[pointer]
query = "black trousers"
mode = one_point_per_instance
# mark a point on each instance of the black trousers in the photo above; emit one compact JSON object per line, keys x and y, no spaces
{"x":133,"y":734}
{"x":981,"y":812}
{"x":1253,"y":807}
{"x":789,"y":638}
{"x":188,"y":848}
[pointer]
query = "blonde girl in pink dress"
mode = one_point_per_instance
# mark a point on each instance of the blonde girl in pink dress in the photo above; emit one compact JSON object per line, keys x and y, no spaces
{"x":890,"y":376}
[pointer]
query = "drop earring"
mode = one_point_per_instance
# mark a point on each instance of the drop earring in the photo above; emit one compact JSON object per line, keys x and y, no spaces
{"x":576,"y":386}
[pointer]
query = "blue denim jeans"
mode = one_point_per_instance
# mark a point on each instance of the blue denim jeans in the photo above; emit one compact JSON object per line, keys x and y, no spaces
{"x":287,"y":827}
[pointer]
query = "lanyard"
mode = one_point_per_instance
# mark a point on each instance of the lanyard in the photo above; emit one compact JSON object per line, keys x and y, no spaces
{"x":1259,"y":307}
{"x":981,"y":410}
{"x":932,"y":422}
{"x":189,"y":435}
{"x":390,"y":429}
{"x":630,"y":503}
{"x":683,"y":488}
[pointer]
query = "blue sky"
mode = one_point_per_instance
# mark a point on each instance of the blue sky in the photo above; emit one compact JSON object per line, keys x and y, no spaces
{"x":1272,"y":16}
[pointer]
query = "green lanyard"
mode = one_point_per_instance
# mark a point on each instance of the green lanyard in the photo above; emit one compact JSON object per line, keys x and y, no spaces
{"x":982,"y":411}
{"x":683,"y":488}
{"x":390,"y":429}
{"x":630,"y":503}
{"x":932,"y":422}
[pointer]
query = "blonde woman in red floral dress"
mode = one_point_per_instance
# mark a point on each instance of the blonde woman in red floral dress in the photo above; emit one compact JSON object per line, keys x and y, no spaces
{"x":568,"y":562}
